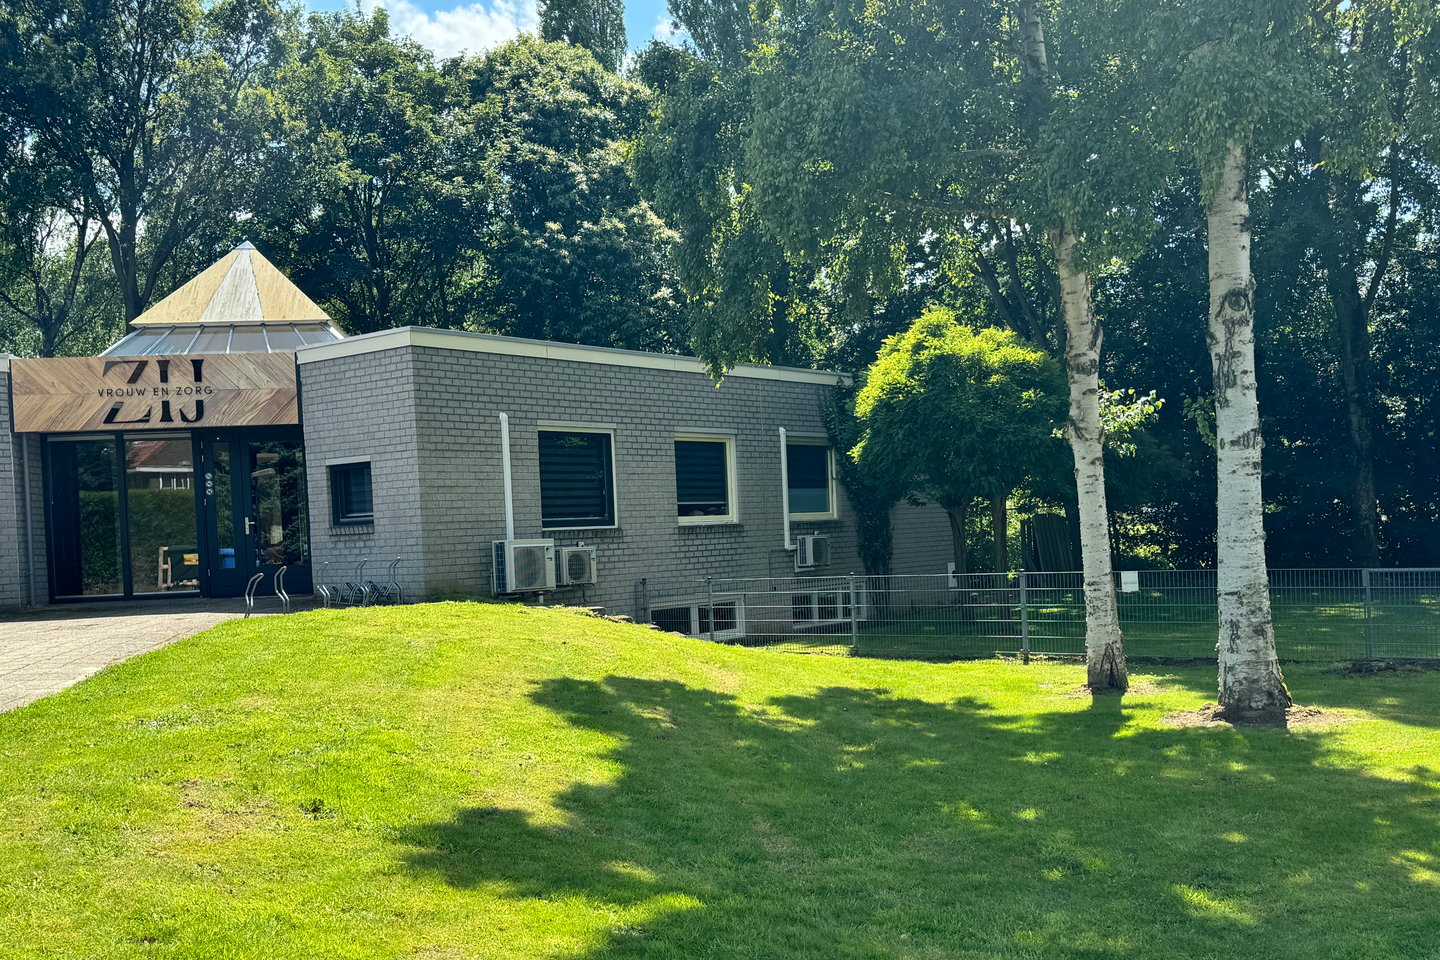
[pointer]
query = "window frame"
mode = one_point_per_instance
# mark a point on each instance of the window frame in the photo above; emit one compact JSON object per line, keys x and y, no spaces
{"x":732,"y":486}
{"x":839,"y":599}
{"x":337,"y":517}
{"x":614,"y":491}
{"x":803,"y":441}
{"x":695,"y":606}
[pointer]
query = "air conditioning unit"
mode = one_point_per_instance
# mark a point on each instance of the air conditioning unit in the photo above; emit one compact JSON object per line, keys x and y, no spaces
{"x":575,"y":565}
{"x":524,"y":566}
{"x":812,"y":551}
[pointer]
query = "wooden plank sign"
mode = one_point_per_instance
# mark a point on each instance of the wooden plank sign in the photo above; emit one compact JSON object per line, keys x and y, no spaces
{"x":74,"y":394}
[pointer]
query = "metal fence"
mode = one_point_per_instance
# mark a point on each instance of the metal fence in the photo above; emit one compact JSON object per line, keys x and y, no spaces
{"x":1334,"y":614}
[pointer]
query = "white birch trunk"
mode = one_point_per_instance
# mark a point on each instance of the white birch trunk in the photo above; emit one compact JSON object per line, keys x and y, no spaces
{"x":1251,"y":687}
{"x":1104,"y":645}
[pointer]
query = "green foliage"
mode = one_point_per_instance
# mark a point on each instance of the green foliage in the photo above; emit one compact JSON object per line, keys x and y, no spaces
{"x":376,"y":203}
{"x":150,"y":119}
{"x":870,"y":492}
{"x":953,"y":413}
{"x":596,"y":25}
{"x":572,"y":252}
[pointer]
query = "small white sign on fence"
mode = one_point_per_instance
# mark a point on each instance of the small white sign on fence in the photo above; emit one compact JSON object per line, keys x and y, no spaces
{"x":1129,"y":581}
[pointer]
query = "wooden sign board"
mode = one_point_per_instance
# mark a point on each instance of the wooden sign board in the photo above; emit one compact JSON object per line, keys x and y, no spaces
{"x":75,"y":394}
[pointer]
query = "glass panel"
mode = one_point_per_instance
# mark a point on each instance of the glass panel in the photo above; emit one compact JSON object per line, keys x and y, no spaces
{"x":802,"y":607}
{"x":724,"y":617}
{"x":247,"y":340}
{"x":212,"y":340}
{"x":277,"y":502}
{"x":316,"y":333}
{"x":575,"y":482}
{"x":701,"y":486}
{"x":673,"y":619}
{"x":136,"y":344}
{"x":86,"y":492}
{"x":829,"y":607}
{"x":353,"y":499}
{"x":222,"y":491}
{"x":808,"y":473}
{"x":282,"y":338}
{"x":160,"y":502}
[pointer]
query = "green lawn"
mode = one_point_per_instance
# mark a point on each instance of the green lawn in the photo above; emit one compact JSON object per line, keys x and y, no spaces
{"x":460,"y":780}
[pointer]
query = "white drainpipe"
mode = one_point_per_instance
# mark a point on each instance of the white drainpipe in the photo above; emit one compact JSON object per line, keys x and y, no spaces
{"x":505,"y":471}
{"x":785,"y":491}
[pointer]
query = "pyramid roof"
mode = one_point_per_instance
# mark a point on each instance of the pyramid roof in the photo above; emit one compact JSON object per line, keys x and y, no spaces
{"x":240,"y":287}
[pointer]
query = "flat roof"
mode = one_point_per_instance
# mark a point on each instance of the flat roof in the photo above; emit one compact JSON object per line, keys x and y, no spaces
{"x":520,"y":347}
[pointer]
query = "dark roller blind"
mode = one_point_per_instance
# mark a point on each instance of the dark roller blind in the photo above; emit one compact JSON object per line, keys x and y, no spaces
{"x":576,"y":486}
{"x":702,"y":488}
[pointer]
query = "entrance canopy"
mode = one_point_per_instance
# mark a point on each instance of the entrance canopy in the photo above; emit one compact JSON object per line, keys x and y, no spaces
{"x":218,"y":352}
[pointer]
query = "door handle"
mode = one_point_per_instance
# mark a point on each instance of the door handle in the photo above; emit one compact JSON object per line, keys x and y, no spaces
{"x":249,"y":526}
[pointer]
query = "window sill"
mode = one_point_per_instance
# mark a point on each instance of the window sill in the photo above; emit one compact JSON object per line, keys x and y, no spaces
{"x":707,"y":521}
{"x":351,"y":529}
{"x":812,"y":517}
{"x":550,"y":530}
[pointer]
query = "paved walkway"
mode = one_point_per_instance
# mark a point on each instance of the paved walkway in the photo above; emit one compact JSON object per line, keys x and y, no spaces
{"x":46,"y":650}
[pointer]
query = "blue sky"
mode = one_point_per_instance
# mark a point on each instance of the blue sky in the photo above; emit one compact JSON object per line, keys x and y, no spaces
{"x":450,"y":26}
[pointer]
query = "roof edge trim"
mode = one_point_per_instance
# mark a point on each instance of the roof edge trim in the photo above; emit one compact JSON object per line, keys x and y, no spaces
{"x":467,"y":342}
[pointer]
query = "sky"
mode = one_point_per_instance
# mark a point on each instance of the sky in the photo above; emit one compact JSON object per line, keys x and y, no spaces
{"x":449,"y":27}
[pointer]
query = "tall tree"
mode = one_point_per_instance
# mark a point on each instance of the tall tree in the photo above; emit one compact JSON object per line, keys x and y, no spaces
{"x":858,"y":131}
{"x":152,"y":112}
{"x":572,"y":250}
{"x":1207,"y":64}
{"x":378,"y":203}
{"x":596,"y":25}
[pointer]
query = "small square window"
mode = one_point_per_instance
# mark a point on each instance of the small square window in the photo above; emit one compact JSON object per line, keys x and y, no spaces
{"x":351,"y":494}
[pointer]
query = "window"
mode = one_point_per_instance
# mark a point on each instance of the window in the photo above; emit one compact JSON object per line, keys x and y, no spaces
{"x":704,"y":478}
{"x":820,"y":608}
{"x":577,"y":479}
{"x":693,"y":619}
{"x":352,"y":498}
{"x":807,"y":471}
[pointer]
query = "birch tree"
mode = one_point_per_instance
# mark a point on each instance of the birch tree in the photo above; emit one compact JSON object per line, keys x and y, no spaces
{"x":1233,"y":81}
{"x":866,"y":128}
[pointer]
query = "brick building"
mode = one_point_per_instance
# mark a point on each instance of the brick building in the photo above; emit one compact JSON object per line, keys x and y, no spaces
{"x":236,"y":431}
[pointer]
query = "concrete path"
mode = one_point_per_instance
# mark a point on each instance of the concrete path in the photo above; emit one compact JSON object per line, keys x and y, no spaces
{"x":46,"y":650}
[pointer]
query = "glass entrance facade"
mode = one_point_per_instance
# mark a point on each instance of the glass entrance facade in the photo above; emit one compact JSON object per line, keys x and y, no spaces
{"x":134,"y":515}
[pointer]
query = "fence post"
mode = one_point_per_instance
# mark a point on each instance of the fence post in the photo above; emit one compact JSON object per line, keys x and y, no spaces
{"x":644,"y":604}
{"x":854,"y":615}
{"x":710,"y":600}
{"x":1369,"y":615}
{"x":1024,"y":616}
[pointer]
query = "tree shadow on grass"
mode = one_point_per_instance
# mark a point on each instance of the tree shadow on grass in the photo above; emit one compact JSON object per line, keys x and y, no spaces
{"x":854,"y":823}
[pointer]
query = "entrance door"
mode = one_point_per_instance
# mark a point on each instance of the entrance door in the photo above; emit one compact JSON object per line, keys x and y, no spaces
{"x":257,"y":509}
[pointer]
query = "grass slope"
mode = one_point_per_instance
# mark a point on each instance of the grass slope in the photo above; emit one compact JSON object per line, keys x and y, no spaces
{"x":460,"y":780}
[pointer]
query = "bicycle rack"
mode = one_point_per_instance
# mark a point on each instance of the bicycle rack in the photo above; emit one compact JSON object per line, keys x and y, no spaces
{"x":388,"y":591}
{"x":356,"y":592}
{"x":280,"y":589}
{"x":280,"y":593}
{"x":327,"y":592}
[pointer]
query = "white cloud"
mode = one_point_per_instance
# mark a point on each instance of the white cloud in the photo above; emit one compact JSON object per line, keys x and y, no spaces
{"x":667,"y":29}
{"x":471,"y":27}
